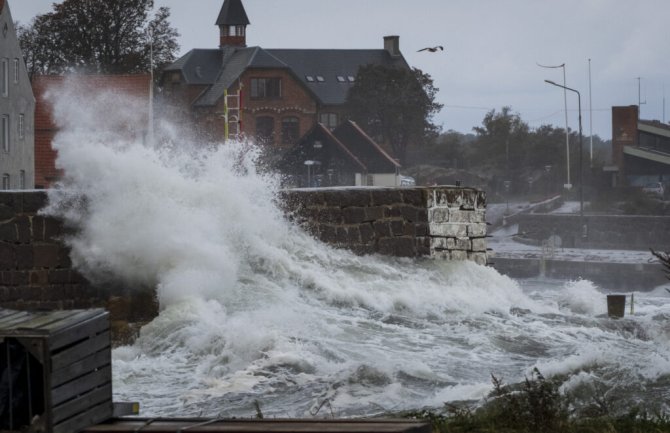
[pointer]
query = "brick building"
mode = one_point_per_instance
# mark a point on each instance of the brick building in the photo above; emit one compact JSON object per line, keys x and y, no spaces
{"x":273,"y":95}
{"x":17,"y":107}
{"x":136,"y":86}
{"x":640,"y":148}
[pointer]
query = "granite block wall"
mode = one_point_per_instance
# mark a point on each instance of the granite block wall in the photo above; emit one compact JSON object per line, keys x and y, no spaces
{"x":442,"y":222}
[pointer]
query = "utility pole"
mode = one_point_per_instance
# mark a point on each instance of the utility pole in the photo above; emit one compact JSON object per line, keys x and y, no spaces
{"x":568,"y":184}
{"x":590,"y":119}
{"x":639,"y":96}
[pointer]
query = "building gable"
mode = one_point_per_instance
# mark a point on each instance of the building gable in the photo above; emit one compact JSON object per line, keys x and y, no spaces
{"x":17,"y":107}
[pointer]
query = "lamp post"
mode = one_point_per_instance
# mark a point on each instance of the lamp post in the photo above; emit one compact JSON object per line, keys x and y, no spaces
{"x":568,"y":185}
{"x":581,"y":179}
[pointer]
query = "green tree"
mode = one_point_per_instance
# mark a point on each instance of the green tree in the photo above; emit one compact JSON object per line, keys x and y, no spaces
{"x":111,"y":36}
{"x":501,"y":139}
{"x":394,"y":105}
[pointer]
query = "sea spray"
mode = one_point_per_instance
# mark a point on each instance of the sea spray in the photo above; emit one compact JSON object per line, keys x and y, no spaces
{"x":254,"y":309}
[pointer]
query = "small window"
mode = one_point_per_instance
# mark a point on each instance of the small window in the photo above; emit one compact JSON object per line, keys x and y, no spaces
{"x":5,"y":181}
{"x":290,"y":130}
{"x":5,"y":77}
{"x":22,"y":179}
{"x":329,"y":120}
{"x":351,"y":78}
{"x":16,"y":70}
{"x":4,"y":131}
{"x":320,"y":79}
{"x":341,"y":79}
{"x":309,"y":78}
{"x":22,"y":128}
{"x":265,"y":126}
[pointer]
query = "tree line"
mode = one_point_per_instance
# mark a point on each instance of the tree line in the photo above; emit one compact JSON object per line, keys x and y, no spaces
{"x":93,"y":36}
{"x":505,"y":148}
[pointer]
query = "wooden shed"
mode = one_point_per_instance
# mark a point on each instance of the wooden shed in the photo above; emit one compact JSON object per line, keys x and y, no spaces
{"x":55,"y":370}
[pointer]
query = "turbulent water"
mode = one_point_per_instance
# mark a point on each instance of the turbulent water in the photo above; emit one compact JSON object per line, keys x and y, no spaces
{"x":254,"y":310}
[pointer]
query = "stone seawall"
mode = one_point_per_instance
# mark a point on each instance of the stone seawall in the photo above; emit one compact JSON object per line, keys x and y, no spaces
{"x":36,"y":272}
{"x":443,"y":222}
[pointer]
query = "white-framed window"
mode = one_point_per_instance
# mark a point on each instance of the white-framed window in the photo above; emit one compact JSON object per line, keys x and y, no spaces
{"x":16,"y":71}
{"x":22,"y":126}
{"x":4,"y":133}
{"x":22,"y":179}
{"x":4,"y":69}
{"x":329,"y":120}
{"x":5,"y":181}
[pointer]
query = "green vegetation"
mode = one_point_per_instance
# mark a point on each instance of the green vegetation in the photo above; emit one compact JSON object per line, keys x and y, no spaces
{"x":537,"y":406}
{"x":394,"y":106}
{"x":112,"y":37}
{"x":506,"y":148}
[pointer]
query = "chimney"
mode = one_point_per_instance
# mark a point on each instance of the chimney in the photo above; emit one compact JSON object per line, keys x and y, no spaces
{"x":392,"y":45}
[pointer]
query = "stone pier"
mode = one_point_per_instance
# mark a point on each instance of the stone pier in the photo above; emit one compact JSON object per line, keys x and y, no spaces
{"x":36,"y":271}
{"x":443,"y":222}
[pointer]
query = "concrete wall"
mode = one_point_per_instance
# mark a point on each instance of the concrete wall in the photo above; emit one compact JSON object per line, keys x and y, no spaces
{"x":608,"y":276}
{"x":639,"y":232}
{"x":444,"y":222}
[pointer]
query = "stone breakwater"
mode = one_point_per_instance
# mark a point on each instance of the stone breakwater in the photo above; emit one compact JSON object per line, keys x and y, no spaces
{"x":443,"y":222}
{"x":36,"y":269}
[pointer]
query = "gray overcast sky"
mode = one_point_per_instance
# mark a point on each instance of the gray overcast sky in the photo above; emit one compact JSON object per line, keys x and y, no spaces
{"x":491,"y":48}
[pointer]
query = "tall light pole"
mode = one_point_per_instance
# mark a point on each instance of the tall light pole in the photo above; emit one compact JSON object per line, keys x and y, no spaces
{"x":581,"y":182}
{"x":150,"y":135}
{"x":590,"y":121}
{"x":568,"y":185}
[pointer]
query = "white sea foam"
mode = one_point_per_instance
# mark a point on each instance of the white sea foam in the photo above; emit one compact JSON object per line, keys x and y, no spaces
{"x":252,"y":308}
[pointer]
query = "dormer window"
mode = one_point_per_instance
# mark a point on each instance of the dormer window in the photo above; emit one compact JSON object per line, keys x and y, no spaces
{"x":351,"y":78}
{"x":309,"y":78}
{"x":340,"y":79}
{"x":320,"y":79}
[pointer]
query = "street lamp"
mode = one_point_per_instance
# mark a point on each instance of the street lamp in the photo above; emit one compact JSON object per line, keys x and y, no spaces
{"x":581,"y":180}
{"x":568,"y":185}
{"x":309,"y":163}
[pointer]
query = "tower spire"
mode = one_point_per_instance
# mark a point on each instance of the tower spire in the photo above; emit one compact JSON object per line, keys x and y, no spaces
{"x":232,"y":22}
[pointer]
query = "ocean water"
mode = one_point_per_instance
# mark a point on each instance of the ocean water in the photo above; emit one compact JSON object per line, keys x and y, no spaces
{"x":254,"y":311}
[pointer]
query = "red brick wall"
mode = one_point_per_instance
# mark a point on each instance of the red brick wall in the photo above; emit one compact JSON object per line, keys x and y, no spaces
{"x":295,"y":101}
{"x":624,"y":132}
{"x":45,"y":129}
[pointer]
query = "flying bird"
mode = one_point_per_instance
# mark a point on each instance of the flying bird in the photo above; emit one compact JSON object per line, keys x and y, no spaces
{"x":432,"y":49}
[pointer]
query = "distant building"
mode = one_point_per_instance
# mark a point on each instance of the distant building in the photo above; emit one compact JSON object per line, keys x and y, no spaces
{"x":272,"y":95}
{"x":17,"y":110}
{"x":136,"y":86}
{"x":640,"y":149}
{"x":346,"y":156}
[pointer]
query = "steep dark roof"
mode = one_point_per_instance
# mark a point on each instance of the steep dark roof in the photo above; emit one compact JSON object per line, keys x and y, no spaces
{"x":333,"y":148}
{"x":330,"y":69}
{"x":232,"y":13}
{"x":375,"y":158}
{"x":199,"y":66}
{"x":235,"y":60}
{"x":331,"y":64}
